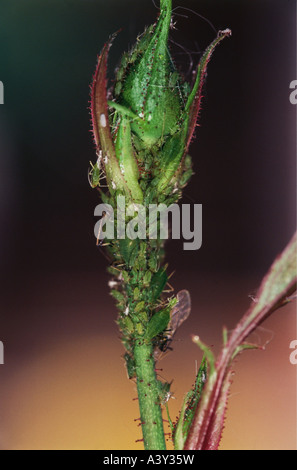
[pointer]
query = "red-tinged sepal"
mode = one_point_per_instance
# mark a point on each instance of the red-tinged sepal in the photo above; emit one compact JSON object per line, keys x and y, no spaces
{"x":99,"y":106}
{"x":101,"y":127}
{"x":176,"y":146}
{"x":193,"y":104}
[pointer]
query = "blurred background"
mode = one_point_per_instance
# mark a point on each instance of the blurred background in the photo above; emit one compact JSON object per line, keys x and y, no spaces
{"x":63,"y":385}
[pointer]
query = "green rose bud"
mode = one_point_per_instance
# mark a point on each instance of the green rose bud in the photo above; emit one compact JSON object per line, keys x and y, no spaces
{"x":143,"y":133}
{"x":151,"y":87}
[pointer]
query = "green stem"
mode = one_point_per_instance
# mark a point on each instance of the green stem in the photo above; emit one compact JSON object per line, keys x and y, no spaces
{"x":148,"y":396}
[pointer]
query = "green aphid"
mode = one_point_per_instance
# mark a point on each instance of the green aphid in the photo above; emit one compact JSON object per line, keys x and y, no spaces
{"x":139,"y":329}
{"x":125,"y":276}
{"x":135,"y":264}
{"x":189,"y":407}
{"x":157,"y":324}
{"x":197,"y":390}
{"x":136,"y":293}
{"x":105,"y":198}
{"x":134,"y":255}
{"x":127,"y":247}
{"x":184,"y":179}
{"x":147,"y":278}
{"x":142,"y":317}
{"x":128,"y":325}
{"x":174,"y":80}
{"x":130,"y":366}
{"x":95,"y":173}
{"x":170,"y":158}
{"x":117,"y":295}
{"x":139,"y":306}
{"x":158,"y":283}
{"x":164,"y":391}
{"x":153,"y":262}
{"x":114,"y":271}
{"x":141,"y":263}
{"x":186,"y":89}
{"x":124,"y":64}
{"x":118,"y":88}
{"x":188,"y":162}
{"x":142,"y":248}
{"x":119,"y":75}
{"x":173,"y":199}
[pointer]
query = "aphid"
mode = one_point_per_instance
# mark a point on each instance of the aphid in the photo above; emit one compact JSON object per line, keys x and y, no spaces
{"x":129,"y":250}
{"x":139,"y":306}
{"x":164,"y":392}
{"x":157,"y":324}
{"x":95,"y":174}
{"x":191,"y":400}
{"x":179,"y":314}
{"x":180,"y":311}
{"x":158,"y":283}
{"x":119,"y":296}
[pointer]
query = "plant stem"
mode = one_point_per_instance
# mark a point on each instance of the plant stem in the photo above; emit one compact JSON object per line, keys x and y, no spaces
{"x":142,"y":137}
{"x":148,"y":396}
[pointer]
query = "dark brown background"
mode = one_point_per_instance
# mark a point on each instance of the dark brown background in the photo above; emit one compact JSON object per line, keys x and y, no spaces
{"x":63,"y":384}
